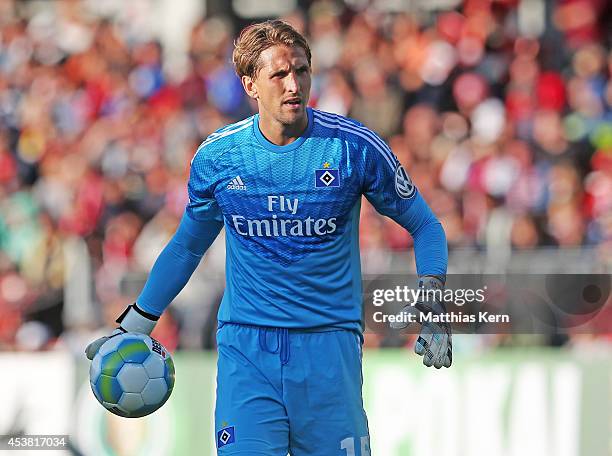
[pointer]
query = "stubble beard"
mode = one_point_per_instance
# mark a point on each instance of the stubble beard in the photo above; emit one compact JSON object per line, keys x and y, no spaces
{"x":292,"y":118}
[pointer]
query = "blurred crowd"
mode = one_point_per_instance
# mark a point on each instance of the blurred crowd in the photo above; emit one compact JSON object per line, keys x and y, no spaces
{"x":503,"y":121}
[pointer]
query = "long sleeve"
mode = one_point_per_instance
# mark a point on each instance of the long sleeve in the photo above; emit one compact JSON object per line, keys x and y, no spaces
{"x":176,"y":263}
{"x":390,"y":190}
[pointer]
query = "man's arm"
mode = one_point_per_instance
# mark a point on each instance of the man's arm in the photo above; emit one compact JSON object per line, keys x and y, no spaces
{"x":389,"y":188}
{"x":430,"y":247}
{"x":434,"y":343}
{"x":176,"y":263}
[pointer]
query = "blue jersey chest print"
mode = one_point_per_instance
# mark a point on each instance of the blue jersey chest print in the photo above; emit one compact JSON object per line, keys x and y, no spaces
{"x":285,"y":204}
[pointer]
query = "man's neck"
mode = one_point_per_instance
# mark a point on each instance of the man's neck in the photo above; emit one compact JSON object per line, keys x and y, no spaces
{"x":281,"y":134}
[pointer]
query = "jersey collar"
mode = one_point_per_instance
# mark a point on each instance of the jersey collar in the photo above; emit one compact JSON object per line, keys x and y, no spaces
{"x":288,"y":147}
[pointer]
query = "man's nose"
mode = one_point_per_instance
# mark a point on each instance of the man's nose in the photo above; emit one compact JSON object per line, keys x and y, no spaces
{"x":292,"y":84}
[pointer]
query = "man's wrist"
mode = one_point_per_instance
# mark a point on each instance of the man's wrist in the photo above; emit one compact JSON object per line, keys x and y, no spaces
{"x":134,"y":319}
{"x":431,"y":302}
{"x":432,"y":282}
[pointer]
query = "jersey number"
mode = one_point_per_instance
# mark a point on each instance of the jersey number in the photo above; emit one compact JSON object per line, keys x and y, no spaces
{"x":348,"y":444}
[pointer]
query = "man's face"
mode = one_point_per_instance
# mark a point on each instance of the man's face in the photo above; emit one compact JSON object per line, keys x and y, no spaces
{"x":282,"y":85}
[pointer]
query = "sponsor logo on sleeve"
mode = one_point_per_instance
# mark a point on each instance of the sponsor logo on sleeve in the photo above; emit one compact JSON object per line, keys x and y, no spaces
{"x":403,"y":184}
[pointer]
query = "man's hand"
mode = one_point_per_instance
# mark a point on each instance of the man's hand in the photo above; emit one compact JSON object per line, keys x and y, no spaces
{"x":133,"y":319}
{"x":93,"y":347}
{"x":435,"y":340}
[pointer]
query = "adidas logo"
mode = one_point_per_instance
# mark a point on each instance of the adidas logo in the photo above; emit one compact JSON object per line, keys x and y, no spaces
{"x":236,"y":184}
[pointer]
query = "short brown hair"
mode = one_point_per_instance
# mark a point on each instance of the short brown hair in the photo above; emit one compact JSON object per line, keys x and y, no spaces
{"x":256,"y":38}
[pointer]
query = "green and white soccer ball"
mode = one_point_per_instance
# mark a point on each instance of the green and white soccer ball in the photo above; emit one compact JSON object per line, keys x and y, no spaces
{"x":132,"y":375}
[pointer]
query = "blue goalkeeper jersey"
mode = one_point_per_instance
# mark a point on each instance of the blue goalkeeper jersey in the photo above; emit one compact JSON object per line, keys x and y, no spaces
{"x":291,"y":215}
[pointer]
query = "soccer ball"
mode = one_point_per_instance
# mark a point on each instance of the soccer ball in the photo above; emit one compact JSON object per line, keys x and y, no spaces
{"x":132,"y":375}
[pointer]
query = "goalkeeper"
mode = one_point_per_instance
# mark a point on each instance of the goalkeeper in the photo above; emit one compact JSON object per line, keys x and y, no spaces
{"x":287,"y":184}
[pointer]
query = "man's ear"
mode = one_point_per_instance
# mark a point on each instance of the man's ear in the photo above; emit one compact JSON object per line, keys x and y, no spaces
{"x":249,"y":87}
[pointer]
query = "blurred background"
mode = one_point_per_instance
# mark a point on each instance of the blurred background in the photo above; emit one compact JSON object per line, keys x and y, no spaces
{"x":501,"y":111}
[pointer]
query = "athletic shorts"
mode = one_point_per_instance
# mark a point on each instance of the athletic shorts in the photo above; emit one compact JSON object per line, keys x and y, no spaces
{"x":285,"y":392}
